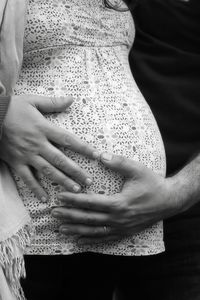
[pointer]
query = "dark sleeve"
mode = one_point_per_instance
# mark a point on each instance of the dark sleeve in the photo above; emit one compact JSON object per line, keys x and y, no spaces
{"x":4,"y":102}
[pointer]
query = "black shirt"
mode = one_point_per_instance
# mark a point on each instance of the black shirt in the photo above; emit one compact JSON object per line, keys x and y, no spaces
{"x":165,"y":61}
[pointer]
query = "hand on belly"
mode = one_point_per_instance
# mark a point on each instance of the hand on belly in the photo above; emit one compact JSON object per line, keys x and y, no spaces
{"x":95,"y":218}
{"x":28,"y":143}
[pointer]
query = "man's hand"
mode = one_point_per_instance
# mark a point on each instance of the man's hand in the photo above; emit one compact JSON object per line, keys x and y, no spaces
{"x":29,"y":139}
{"x":145,"y":199}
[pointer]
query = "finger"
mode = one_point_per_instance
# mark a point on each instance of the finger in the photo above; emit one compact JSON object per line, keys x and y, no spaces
{"x":75,"y":216}
{"x":84,"y":230}
{"x":99,"y":240}
{"x":60,"y":161}
{"x":92,"y":202}
{"x":45,"y":168}
{"x":69,"y":140}
{"x":52,"y":104}
{"x":25,"y":173}
{"x":125,"y":166}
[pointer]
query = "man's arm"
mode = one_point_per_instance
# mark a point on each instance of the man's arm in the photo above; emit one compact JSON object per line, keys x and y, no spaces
{"x":185,"y":185}
{"x":145,"y":199}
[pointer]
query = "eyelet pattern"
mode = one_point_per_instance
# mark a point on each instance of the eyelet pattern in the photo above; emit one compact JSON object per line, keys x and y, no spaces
{"x":77,"y":47}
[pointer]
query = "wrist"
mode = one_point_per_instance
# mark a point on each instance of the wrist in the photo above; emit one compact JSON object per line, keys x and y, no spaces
{"x":178,"y":194}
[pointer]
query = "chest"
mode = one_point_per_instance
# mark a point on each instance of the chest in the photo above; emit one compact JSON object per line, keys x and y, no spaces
{"x":79,"y":22}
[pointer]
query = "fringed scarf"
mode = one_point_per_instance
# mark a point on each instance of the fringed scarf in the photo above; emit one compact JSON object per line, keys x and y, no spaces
{"x":15,"y":223}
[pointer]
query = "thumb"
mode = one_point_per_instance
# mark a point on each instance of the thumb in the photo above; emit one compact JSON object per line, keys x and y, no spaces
{"x":52,"y":104}
{"x":125,"y":166}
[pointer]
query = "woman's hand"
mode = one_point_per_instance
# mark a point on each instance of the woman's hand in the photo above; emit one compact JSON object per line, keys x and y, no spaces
{"x":29,"y":143}
{"x":145,"y":199}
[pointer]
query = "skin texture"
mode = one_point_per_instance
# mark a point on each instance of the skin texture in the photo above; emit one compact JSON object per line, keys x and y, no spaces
{"x":30,"y":143}
{"x":145,"y":199}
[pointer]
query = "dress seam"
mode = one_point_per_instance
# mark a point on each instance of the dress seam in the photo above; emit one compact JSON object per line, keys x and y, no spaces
{"x":74,"y":45}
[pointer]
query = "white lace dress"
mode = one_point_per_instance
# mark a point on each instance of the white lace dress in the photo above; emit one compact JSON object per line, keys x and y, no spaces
{"x":80,"y":47}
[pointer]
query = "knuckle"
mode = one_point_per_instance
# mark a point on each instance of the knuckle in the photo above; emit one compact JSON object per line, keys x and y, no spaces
{"x":53,"y":101}
{"x":83,"y":147}
{"x":32,"y":186}
{"x":64,"y":182}
{"x":121,"y":221}
{"x":46,"y":170}
{"x":67,"y":141}
{"x":118,"y":222}
{"x":122,"y":206}
{"x":58,"y":162}
{"x":77,"y":173}
{"x":35,"y":190}
{"x":115,"y":205}
{"x":27,"y":179}
{"x":89,"y":219}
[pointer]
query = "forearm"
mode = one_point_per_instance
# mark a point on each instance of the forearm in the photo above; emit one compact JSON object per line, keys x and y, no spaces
{"x":185,"y":186}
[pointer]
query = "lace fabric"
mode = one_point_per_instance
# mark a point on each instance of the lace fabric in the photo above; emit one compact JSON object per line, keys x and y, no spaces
{"x":80,"y":47}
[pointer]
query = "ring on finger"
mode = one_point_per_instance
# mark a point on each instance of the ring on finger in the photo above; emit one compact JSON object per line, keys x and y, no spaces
{"x":105,"y":229}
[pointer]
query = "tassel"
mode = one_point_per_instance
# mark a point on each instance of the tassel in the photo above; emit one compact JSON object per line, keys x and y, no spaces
{"x":12,"y":261}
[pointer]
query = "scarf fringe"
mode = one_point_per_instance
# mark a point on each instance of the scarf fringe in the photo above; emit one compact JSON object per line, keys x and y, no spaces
{"x":12,"y":261}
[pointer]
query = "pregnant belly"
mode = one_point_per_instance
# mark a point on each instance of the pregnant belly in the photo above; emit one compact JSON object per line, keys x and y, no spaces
{"x":121,"y":126}
{"x":108,"y":112}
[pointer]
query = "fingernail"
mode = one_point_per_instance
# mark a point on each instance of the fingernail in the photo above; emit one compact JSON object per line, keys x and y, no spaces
{"x":76,"y":188}
{"x":64,"y":230}
{"x":57,"y":202}
{"x":56,"y":213}
{"x":88,"y":181}
{"x":44,"y":199}
{"x":106,"y":156}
